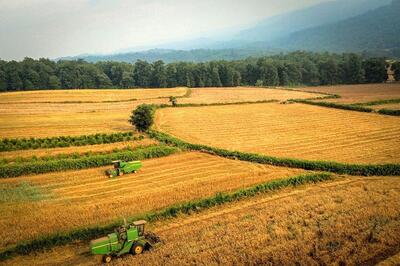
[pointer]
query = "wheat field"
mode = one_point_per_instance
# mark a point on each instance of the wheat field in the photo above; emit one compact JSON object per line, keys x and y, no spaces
{"x":83,"y":198}
{"x":350,"y":220}
{"x":294,"y":131}
{"x":87,"y":95}
{"x":360,"y":93}
{"x":242,"y":94}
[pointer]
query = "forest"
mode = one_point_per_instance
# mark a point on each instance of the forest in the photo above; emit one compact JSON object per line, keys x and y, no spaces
{"x":292,"y":69}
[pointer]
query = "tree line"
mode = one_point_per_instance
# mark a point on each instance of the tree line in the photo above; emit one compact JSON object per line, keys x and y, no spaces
{"x":296,"y":68}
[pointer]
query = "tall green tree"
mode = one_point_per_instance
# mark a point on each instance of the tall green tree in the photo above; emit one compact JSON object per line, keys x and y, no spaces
{"x":375,"y":70}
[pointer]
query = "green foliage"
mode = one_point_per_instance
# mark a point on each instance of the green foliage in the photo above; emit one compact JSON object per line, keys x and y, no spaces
{"x":290,"y":69}
{"x":389,"y":112}
{"x":337,"y":106}
{"x":187,"y":208}
{"x":89,"y":161}
{"x":65,"y":141}
{"x":143,"y":117}
{"x":375,"y":70}
{"x":334,"y":167}
{"x":379,"y":102}
{"x":396,"y":70}
{"x":74,"y":155}
{"x":173,"y":100}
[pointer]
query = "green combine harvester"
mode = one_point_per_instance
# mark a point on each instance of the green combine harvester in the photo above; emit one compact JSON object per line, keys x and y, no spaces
{"x":121,"y":168}
{"x":126,"y":239}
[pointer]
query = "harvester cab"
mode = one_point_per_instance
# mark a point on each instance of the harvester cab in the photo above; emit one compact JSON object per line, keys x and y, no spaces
{"x":126,"y":239}
{"x":121,"y":168}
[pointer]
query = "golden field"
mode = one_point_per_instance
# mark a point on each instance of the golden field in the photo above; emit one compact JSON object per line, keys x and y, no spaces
{"x":87,"y":95}
{"x":360,"y":93}
{"x":242,"y":94}
{"x":350,"y":220}
{"x":73,"y":199}
{"x":293,"y":130}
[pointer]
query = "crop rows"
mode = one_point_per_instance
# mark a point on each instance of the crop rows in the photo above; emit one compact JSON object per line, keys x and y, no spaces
{"x":334,"y":167}
{"x":297,"y":131}
{"x":89,"y":161}
{"x":168,"y":212}
{"x":349,"y":221}
{"x":89,"y":197}
{"x":241,"y":94}
{"x":65,"y":141}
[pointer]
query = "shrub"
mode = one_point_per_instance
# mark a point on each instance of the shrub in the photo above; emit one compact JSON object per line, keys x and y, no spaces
{"x":143,"y":117}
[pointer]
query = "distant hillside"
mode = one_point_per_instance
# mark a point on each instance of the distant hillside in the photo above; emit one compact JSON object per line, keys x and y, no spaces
{"x":168,"y":56}
{"x":321,"y":14}
{"x":376,"y":30}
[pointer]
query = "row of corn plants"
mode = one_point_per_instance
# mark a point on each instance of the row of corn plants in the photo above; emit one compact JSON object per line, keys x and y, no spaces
{"x":90,"y":161}
{"x":334,"y":167}
{"x":188,"y":208}
{"x":7,"y":144}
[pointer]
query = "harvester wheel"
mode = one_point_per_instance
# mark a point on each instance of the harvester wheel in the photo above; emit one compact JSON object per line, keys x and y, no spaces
{"x":137,"y":249}
{"x":107,"y":258}
{"x":120,"y":173}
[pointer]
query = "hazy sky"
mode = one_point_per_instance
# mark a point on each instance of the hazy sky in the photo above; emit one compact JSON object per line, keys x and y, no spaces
{"x":54,"y":28}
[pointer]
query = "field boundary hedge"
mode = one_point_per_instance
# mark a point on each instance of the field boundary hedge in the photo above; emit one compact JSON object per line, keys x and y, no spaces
{"x":91,"y":161}
{"x":336,"y":105}
{"x":379,"y":102}
{"x":328,"y":166}
{"x":85,"y":234}
{"x":7,"y":144}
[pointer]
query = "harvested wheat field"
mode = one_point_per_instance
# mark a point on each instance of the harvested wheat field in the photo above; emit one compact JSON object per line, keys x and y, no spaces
{"x":294,"y":130}
{"x":67,"y":200}
{"x":88,"y":95}
{"x":361,"y":93}
{"x":49,"y":119}
{"x":351,"y":221}
{"x":242,"y":94}
{"x":98,"y":148}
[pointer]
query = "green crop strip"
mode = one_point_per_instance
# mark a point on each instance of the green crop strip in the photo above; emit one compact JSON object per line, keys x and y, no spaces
{"x":65,"y":141}
{"x":337,"y":106}
{"x":389,"y":112}
{"x":334,"y":167}
{"x":379,"y":102}
{"x":91,"y":161}
{"x":188,"y":208}
{"x":74,"y":155}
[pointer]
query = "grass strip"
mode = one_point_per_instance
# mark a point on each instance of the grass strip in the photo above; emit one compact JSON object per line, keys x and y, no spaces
{"x":91,"y":161}
{"x":65,"y":141}
{"x":85,"y":234}
{"x":327,"y":166}
{"x":379,"y":102}
{"x":337,"y":105}
{"x":389,"y":112}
